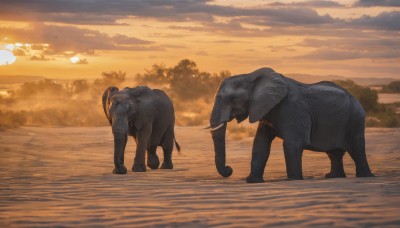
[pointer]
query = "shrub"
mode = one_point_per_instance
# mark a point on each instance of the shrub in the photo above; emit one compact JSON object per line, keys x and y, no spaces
{"x":393,"y":87}
{"x":10,"y":119}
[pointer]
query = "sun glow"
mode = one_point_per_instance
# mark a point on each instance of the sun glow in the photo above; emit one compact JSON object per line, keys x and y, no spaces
{"x":6,"y":57}
{"x":74,"y":59}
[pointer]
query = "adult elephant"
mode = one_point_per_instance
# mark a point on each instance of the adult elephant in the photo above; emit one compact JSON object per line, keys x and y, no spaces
{"x":319,"y":117}
{"x":148,"y":116}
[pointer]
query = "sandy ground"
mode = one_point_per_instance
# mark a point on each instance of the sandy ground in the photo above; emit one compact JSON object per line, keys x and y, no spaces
{"x":62,"y":177}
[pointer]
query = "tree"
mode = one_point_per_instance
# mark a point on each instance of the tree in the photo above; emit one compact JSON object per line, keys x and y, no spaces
{"x":185,"y":81}
{"x":158,"y":74}
{"x":112,"y":78}
{"x":42,"y":87}
{"x":393,"y":87}
{"x":80,"y":85}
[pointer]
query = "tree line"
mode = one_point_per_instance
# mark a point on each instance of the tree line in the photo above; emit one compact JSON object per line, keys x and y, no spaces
{"x":78,"y":102}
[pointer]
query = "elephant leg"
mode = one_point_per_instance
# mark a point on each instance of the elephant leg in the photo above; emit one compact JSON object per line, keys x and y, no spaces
{"x":143,"y":136}
{"x":168,"y":146}
{"x":357,"y":153}
{"x":152,"y":159}
{"x":293,"y":154}
{"x":119,"y":149}
{"x":260,"y":153}
{"x":336,"y":157}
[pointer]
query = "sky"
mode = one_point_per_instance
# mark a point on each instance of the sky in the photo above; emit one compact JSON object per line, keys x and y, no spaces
{"x":81,"y":39}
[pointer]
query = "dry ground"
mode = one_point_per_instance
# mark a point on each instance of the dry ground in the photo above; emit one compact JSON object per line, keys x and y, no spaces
{"x":62,"y":177}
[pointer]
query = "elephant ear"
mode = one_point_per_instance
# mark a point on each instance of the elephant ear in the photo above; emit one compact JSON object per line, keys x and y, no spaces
{"x":108,"y":93}
{"x":268,"y":89}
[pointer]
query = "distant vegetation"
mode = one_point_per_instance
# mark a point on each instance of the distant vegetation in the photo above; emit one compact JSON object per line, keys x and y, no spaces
{"x":78,"y":103}
{"x":378,"y":115}
{"x":47,"y":103}
{"x":191,"y":90}
{"x":393,"y":87}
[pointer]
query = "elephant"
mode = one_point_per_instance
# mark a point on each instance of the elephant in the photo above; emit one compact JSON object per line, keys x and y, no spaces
{"x":321,"y":117}
{"x":147,"y":115}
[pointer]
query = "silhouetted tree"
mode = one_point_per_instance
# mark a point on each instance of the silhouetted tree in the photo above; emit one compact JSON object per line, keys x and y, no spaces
{"x":393,"y":87}
{"x":158,"y":74}
{"x":185,"y":81}
{"x":112,"y":78}
{"x":44,"y":87}
{"x":79,"y":86}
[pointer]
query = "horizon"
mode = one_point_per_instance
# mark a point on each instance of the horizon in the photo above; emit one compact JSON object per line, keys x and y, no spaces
{"x":79,"y":39}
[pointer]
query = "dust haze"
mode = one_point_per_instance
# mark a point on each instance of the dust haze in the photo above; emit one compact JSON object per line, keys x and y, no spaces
{"x":48,"y":102}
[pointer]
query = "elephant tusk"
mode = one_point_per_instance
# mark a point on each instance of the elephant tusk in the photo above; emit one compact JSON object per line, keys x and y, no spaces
{"x":218,"y":127}
{"x":208,"y":127}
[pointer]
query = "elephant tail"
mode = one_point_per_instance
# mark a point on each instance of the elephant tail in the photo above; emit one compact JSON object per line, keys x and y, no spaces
{"x":177,"y":146}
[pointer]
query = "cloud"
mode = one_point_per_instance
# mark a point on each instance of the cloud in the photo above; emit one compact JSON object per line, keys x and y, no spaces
{"x":39,"y":57}
{"x":108,"y":12}
{"x":105,"y":12}
{"x":383,"y":21}
{"x":59,"y":39}
{"x":275,"y":19}
{"x":287,"y":16}
{"x":375,"y":43}
{"x":202,"y":53}
{"x":313,"y":4}
{"x":368,"y":3}
{"x":295,"y":14}
{"x":355,"y":48}
{"x":330,"y":54}
{"x":81,"y":61}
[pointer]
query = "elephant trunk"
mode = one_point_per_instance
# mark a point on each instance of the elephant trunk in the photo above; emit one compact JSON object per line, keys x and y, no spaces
{"x":119,"y":149}
{"x":218,"y":137}
{"x":120,"y":132}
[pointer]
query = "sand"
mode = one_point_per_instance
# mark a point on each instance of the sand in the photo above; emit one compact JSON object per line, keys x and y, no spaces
{"x":62,"y":177}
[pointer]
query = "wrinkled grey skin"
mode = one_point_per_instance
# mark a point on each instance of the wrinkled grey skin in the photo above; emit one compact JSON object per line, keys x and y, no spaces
{"x":148,"y":116}
{"x":319,"y":117}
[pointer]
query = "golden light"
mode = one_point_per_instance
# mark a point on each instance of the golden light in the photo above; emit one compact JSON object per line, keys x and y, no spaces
{"x":6,"y":57}
{"x":9,"y":47}
{"x":74,"y":59}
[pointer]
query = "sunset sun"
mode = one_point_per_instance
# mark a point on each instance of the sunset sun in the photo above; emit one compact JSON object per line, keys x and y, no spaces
{"x":6,"y":57}
{"x":74,"y":59}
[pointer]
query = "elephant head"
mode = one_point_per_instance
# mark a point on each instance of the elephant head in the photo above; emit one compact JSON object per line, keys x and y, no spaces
{"x":119,"y":107}
{"x":248,"y":95}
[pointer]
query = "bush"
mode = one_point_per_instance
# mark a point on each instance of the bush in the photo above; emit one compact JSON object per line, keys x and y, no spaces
{"x":48,"y":103}
{"x":10,"y":119}
{"x":191,"y":90}
{"x":393,"y":87}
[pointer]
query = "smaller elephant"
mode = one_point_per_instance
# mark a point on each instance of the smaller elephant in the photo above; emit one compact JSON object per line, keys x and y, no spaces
{"x":147,"y":115}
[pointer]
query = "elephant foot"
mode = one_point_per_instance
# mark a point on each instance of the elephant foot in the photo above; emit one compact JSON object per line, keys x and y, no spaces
{"x":367,"y":174}
{"x":295,"y":178}
{"x":167,"y":165}
{"x":335,"y":175}
{"x":251,"y":179}
{"x":153,"y":162}
{"x":139,"y":168}
{"x":120,"y":170}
